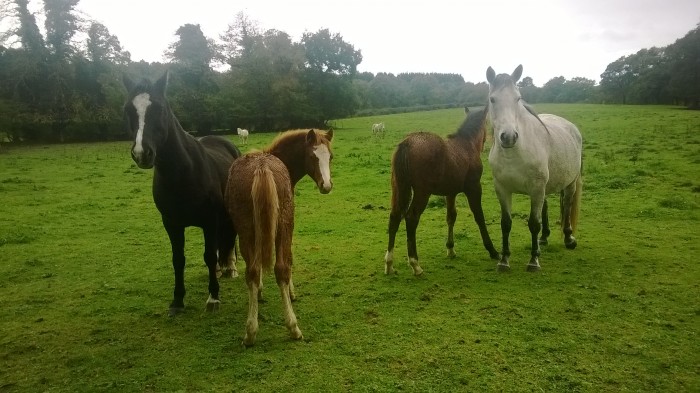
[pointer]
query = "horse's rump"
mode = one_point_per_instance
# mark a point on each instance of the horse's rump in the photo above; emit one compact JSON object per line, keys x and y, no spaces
{"x":259,"y":200}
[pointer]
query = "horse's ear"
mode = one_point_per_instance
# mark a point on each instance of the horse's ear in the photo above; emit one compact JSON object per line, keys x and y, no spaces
{"x":162,"y":83}
{"x":329,"y":134}
{"x":311,"y":137}
{"x":128,"y":83}
{"x":517,"y":73}
{"x":490,"y":75}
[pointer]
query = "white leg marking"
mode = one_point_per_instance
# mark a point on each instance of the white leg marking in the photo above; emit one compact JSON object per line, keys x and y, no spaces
{"x":389,"y":262}
{"x":251,"y":325}
{"x":417,"y":270}
{"x":290,"y":319}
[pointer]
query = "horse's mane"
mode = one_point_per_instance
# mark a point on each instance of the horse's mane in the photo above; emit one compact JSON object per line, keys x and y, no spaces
{"x":473,"y":126}
{"x":289,"y":137}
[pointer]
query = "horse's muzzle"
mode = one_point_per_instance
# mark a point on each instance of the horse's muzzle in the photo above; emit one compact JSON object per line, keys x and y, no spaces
{"x":144,"y":159}
{"x":508,"y":139}
{"x":325,"y":188}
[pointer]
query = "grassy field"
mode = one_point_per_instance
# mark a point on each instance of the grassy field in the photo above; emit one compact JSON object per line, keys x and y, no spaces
{"x":85,"y":278}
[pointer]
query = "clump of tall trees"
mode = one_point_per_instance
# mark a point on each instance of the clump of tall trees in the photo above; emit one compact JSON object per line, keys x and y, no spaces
{"x":63,"y":82}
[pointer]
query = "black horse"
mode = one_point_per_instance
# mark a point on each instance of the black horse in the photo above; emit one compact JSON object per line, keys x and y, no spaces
{"x":189,"y":181}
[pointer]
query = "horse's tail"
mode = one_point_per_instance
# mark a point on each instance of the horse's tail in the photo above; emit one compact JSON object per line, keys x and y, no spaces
{"x":575,"y":204}
{"x":266,"y":208}
{"x":400,"y":184}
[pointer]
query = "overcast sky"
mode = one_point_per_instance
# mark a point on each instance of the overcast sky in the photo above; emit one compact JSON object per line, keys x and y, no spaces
{"x":550,"y":38}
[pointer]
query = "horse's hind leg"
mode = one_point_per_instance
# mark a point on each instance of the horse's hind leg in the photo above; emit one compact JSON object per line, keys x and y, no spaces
{"x":394,"y":223}
{"x":252,"y":279}
{"x":474,"y":198}
{"x":451,"y":218}
{"x":177,"y":244}
{"x":420,"y":201}
{"x":545,"y":224}
{"x":283,"y":275}
{"x":211,"y":259}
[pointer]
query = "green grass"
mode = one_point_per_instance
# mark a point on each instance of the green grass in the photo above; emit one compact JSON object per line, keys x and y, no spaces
{"x":85,"y":278}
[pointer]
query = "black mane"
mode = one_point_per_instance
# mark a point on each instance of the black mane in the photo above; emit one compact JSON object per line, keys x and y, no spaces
{"x":472,"y":126}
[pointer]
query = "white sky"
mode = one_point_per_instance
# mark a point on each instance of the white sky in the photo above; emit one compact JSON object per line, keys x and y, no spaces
{"x":550,"y":38}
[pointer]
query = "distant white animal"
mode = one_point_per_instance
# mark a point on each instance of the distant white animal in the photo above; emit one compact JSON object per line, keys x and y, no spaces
{"x":378,"y":129}
{"x":243,"y":134}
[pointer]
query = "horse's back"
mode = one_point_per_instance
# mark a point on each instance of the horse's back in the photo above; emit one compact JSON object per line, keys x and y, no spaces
{"x":565,"y":149}
{"x":431,"y":165}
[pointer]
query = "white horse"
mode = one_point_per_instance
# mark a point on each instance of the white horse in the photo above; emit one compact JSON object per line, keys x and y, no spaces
{"x":243,"y":134}
{"x":378,"y":129}
{"x":532,"y":155}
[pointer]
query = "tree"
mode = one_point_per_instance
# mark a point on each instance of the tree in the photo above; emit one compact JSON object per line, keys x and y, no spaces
{"x":193,"y":88}
{"x":684,"y":68}
{"x":331,"y":64}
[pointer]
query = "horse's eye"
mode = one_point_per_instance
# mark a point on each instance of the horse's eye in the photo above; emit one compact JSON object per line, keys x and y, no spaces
{"x":493,"y":100}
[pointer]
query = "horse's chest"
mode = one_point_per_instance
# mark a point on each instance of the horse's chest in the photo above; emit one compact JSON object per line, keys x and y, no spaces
{"x":187,"y":205}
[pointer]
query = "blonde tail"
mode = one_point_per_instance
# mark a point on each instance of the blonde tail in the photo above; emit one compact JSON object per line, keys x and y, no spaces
{"x":265,"y":215}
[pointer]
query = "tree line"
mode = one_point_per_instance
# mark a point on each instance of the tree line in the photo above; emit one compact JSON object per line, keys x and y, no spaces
{"x":65,"y":84}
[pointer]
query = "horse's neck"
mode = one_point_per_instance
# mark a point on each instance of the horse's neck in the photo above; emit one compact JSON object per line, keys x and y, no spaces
{"x":292,"y":155}
{"x":173,"y":159}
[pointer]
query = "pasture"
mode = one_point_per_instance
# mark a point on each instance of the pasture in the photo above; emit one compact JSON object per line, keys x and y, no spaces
{"x":86,"y":277}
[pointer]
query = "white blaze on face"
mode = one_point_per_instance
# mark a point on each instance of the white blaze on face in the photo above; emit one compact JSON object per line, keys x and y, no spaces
{"x":141,"y":103}
{"x":324,"y":164}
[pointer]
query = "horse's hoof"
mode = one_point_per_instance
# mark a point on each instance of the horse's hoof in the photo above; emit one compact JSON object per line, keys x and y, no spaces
{"x":543,"y":242}
{"x":503,"y":267}
{"x":247,"y":342}
{"x":295,"y":334}
{"x":451,"y":253}
{"x":533,"y":268}
{"x":571,"y":244}
{"x":388,"y":269}
{"x":173,"y":311}
{"x":229,"y":273}
{"x":213,"y":306}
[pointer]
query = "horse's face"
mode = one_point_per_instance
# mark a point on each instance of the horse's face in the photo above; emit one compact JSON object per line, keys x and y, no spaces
{"x":318,"y":159}
{"x":504,"y":106}
{"x":146,"y":117}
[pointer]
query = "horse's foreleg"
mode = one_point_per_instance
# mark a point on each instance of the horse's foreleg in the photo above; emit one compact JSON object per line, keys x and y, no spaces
{"x":474,"y":199}
{"x":567,"y":197}
{"x":211,"y":259}
{"x":545,"y":223}
{"x":227,"y":251}
{"x":534,"y":223}
{"x":417,"y":207}
{"x":177,"y":244}
{"x":505,"y":200}
{"x":394,"y":222}
{"x":451,"y":218}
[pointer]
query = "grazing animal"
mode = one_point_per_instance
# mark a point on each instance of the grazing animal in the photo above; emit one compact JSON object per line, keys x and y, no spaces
{"x":260,"y":200}
{"x":243,"y":134}
{"x":425,"y":164}
{"x":189,"y":180}
{"x":378,"y":129}
{"x":533,"y":155}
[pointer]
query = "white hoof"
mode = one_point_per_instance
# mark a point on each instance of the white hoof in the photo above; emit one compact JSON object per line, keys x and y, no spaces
{"x":417,"y":270}
{"x":451,"y":253}
{"x":389,"y":262}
